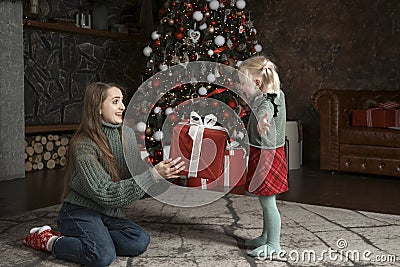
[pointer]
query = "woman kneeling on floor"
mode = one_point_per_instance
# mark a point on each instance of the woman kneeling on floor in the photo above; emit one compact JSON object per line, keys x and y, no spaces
{"x":99,"y":184}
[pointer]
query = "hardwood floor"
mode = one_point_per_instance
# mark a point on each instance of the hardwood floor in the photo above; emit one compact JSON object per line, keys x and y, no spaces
{"x":307,"y":185}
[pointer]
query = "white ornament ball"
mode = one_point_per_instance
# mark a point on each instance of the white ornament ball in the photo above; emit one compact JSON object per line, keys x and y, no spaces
{"x":147,"y":51}
{"x":141,"y":127}
{"x":155,"y":35}
{"x":168,"y":111}
{"x":158,"y":135}
{"x":238,"y":63}
{"x":219,"y":40}
{"x":163,"y":67}
{"x":203,"y":26}
{"x":211,"y":78}
{"x":258,"y":48}
{"x":210,"y":52}
{"x":241,"y":4}
{"x":202,"y":90}
{"x":198,"y":15}
{"x":157,"y":110}
{"x":214,"y":5}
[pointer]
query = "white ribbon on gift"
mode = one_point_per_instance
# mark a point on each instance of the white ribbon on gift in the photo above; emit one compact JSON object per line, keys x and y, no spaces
{"x":196,"y":132}
{"x":231,"y":148}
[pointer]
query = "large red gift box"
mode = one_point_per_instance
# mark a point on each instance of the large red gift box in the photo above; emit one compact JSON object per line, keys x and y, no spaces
{"x":235,"y":168}
{"x":201,"y":146}
{"x":376,"y":117}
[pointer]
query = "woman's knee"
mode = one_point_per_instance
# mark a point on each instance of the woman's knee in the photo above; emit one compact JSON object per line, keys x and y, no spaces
{"x":101,"y":256}
{"x":143,"y":242}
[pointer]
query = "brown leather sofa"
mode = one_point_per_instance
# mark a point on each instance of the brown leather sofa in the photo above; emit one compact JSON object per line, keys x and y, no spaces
{"x":368,"y":150}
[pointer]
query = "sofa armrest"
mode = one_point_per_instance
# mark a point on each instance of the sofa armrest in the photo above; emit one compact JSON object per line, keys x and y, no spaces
{"x":335,"y":108}
{"x":327,"y":103}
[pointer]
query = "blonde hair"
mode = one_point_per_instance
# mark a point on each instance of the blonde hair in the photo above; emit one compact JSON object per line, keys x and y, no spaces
{"x":91,"y":127}
{"x":260,"y":67}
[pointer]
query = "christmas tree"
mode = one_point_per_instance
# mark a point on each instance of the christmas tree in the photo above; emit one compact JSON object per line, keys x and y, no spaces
{"x":196,"y":30}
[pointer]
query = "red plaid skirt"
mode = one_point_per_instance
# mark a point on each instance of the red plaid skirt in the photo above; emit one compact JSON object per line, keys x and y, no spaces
{"x":267,"y":171}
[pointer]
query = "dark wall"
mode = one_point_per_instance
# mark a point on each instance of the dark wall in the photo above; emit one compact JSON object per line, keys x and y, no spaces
{"x":315,"y":43}
{"x":351,"y":44}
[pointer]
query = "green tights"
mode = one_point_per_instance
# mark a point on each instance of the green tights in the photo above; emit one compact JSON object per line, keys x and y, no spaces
{"x":269,"y":241}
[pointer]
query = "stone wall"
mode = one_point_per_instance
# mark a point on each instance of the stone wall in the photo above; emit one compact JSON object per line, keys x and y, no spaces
{"x":11,"y":91}
{"x":58,"y":66}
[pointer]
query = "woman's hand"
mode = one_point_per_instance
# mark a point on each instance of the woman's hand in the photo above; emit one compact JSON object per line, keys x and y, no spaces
{"x":169,"y":168}
{"x":263,"y":125}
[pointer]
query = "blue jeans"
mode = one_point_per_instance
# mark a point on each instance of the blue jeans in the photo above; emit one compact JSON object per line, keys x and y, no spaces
{"x":94,"y":239}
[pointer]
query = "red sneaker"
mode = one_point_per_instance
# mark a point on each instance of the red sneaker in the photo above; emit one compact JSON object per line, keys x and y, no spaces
{"x":38,"y":240}
{"x":56,"y":233}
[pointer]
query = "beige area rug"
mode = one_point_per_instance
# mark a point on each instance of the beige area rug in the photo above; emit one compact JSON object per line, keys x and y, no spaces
{"x":213,"y":235}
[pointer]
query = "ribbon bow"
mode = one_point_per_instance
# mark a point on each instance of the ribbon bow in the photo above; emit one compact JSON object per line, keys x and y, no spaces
{"x":196,"y":132}
{"x":272,"y":97}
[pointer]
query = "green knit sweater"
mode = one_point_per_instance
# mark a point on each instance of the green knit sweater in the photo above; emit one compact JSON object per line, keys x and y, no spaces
{"x":92,"y":187}
{"x":275,"y":137}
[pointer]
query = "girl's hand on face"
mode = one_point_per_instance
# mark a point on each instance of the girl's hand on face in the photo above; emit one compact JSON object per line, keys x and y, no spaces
{"x":169,"y":168}
{"x":263,"y":125}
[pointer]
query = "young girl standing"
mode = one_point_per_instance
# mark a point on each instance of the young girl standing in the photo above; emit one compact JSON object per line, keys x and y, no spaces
{"x":267,"y":172}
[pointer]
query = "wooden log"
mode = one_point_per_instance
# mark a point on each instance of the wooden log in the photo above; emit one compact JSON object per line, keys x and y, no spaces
{"x":29,"y":150}
{"x":50,"y":164}
{"x":43,"y":140}
{"x":38,"y":147}
{"x":57,"y":143}
{"x":56,"y":137}
{"x":37,"y":158}
{"x":50,"y":146}
{"x":54,"y":156}
{"x":50,"y":137}
{"x":63,"y":161}
{"x":37,"y":138}
{"x":25,"y":156}
{"x":61,"y":151}
{"x":47,"y":155}
{"x":25,"y":143}
{"x":28,"y":166}
{"x":40,"y":165}
{"x":30,"y":159}
{"x":34,"y":166}
{"x":64,"y":141}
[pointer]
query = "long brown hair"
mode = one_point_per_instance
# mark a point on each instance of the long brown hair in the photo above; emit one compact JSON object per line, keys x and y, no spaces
{"x":91,"y":127}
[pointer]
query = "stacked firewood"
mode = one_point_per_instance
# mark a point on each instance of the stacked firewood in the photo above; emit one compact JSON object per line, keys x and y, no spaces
{"x":46,"y":151}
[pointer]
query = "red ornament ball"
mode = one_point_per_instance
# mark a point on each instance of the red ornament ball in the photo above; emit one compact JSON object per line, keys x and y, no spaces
{"x":157,"y":42}
{"x":173,"y":117}
{"x":213,"y":23}
{"x":173,"y":3}
{"x":179,"y":36}
{"x":158,"y":154}
{"x":226,"y":114}
{"x":215,"y":103}
{"x":232,"y":104}
{"x":155,"y":83}
{"x":181,"y":29}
